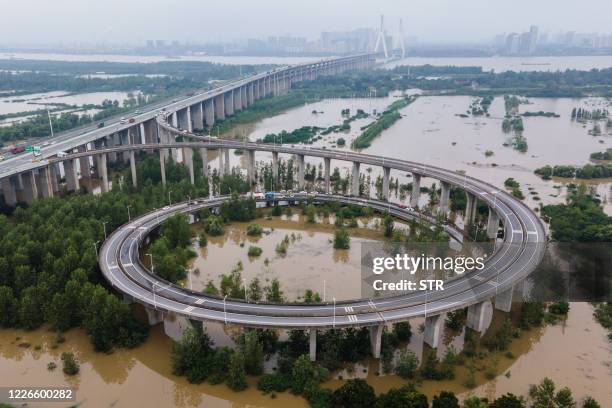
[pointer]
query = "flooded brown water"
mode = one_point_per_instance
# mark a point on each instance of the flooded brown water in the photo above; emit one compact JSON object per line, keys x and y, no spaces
{"x":143,"y":377}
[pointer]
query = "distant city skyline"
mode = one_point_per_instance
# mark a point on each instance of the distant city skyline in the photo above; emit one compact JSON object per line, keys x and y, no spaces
{"x":70,"y":22}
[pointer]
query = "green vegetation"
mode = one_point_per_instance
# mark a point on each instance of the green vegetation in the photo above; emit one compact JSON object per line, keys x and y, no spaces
{"x":541,"y":113}
{"x":254,"y":251}
{"x":304,"y":134}
{"x":581,"y":219}
{"x":514,"y":187}
{"x":384,"y":121}
{"x":70,"y":364}
{"x":603,"y":314}
{"x":342,"y":240}
{"x":481,"y":106}
{"x":171,"y":251}
{"x":582,"y":115}
{"x":588,"y":171}
{"x":607,"y":155}
{"x":213,"y":225}
{"x":254,"y":230}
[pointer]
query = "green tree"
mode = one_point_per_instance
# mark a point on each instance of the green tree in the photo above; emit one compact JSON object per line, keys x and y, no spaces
{"x":342,"y":239}
{"x":445,"y":399}
{"x":355,"y":393}
{"x":236,"y":376}
{"x":274,"y":292}
{"x":388,"y":226}
{"x":509,"y":401}
{"x":406,"y":364}
{"x":254,"y":291}
{"x":404,"y":397}
{"x":8,"y":307}
{"x":253,"y":353}
{"x":70,"y":364}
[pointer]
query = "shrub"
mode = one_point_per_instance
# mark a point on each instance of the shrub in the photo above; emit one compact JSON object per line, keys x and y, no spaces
{"x":70,"y":364}
{"x":254,"y":230}
{"x":254,"y":251}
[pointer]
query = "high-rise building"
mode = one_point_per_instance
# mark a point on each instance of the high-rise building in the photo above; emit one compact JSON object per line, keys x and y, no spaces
{"x":533,"y":39}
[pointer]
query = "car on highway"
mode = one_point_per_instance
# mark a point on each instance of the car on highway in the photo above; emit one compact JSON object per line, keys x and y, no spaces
{"x":401,"y":205}
{"x":132,"y":120}
{"x":46,"y":144}
{"x":100,"y":125}
{"x":62,"y":154}
{"x":18,"y":149}
{"x":122,"y":120}
{"x":1,"y":157}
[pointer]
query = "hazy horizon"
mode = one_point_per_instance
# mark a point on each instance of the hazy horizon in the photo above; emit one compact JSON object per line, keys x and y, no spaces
{"x":113,"y":21}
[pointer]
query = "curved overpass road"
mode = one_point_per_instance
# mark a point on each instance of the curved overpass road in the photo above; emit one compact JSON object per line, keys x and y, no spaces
{"x":512,"y":261}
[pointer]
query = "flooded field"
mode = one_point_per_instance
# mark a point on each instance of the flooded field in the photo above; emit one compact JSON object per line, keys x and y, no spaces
{"x":143,"y":377}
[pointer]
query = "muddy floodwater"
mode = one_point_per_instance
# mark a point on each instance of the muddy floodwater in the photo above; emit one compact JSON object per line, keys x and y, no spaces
{"x":575,"y":353}
{"x":311,"y":262}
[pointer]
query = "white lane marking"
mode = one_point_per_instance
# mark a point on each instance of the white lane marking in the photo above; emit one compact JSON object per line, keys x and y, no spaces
{"x":128,"y":264}
{"x":200,"y":301}
{"x":189,"y":308}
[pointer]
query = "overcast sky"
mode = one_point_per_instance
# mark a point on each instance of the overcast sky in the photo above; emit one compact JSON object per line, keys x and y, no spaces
{"x":44,"y":21}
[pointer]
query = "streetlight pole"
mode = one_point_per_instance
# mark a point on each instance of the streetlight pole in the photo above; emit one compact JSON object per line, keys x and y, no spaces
{"x":324,"y":290}
{"x":224,"y":309}
{"x":96,"y":248}
{"x":129,"y":215}
{"x":169,"y":201}
{"x":334,"y":323}
{"x":104,"y":226}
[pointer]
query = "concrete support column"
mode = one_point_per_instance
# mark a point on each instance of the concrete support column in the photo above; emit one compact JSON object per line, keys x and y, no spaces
{"x":327,"y":167}
{"x":30,"y":192}
{"x":209,"y":110}
{"x":313,"y":345}
{"x":174,"y":119}
{"x":197,"y":116}
{"x":184,"y":120}
{"x":376,"y":339}
{"x":244,"y":96}
{"x":355,"y":179}
{"x":492,"y":224}
{"x":274,"y":169}
{"x":470,"y":208}
{"x":229,"y":103}
{"x":188,"y":160}
{"x":189,"y":119}
{"x":503,"y":300}
{"x":219,"y":107}
{"x":416,"y":190}
{"x":110,"y":142}
{"x":476,"y":316}
{"x":433,"y":330}
{"x":226,"y":162}
{"x":385,"y":186}
{"x":300,"y":168}
{"x":126,"y":140}
{"x":54,"y":173}
{"x":204,"y":154}
{"x":237,"y":99}
{"x":143,"y":135}
{"x":162,"y":164}
{"x":251,"y":91}
{"x":251,"y":167}
{"x":72,"y":178}
{"x":9,"y":191}
{"x":444,"y":196}
{"x":84,"y":163}
{"x":103,"y":170}
{"x":133,"y":168}
{"x":154,"y":316}
{"x":43,"y":182}
{"x":221,"y":166}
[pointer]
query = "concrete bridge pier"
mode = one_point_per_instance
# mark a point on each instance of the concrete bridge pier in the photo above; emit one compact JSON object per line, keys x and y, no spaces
{"x":503,"y":300}
{"x":197,"y":115}
{"x":183,"y":118}
{"x":226,"y":162}
{"x":103,"y":170}
{"x":30,"y":191}
{"x":416,"y":190}
{"x":433,"y":330}
{"x":162,"y":164}
{"x":237,"y":99}
{"x":204,"y":155}
{"x":476,"y":316}
{"x":9,"y":191}
{"x":244,"y":96}
{"x":209,"y":111}
{"x":126,"y":140}
{"x":444,"y":196}
{"x":221,"y":170}
{"x":492,"y":224}
{"x":312,"y":351}
{"x":255,"y":90}
{"x":251,"y":167}
{"x":150,"y":131}
{"x":188,"y":160}
{"x":110,"y":142}
{"x":300,"y":168}
{"x":133,"y":168}
{"x":45,"y":183}
{"x":174,"y":119}
{"x":385,"y":186}
{"x":154,"y":316}
{"x":274,"y":170}
{"x":219,"y":107}
{"x":229,"y":103}
{"x":84,"y":163}
{"x":251,"y":94}
{"x":470,"y":208}
{"x":376,"y":339}
{"x":355,"y":179}
{"x":70,"y":172}
{"x":143,"y":135}
{"x":327,"y":161}
{"x":54,"y":172}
